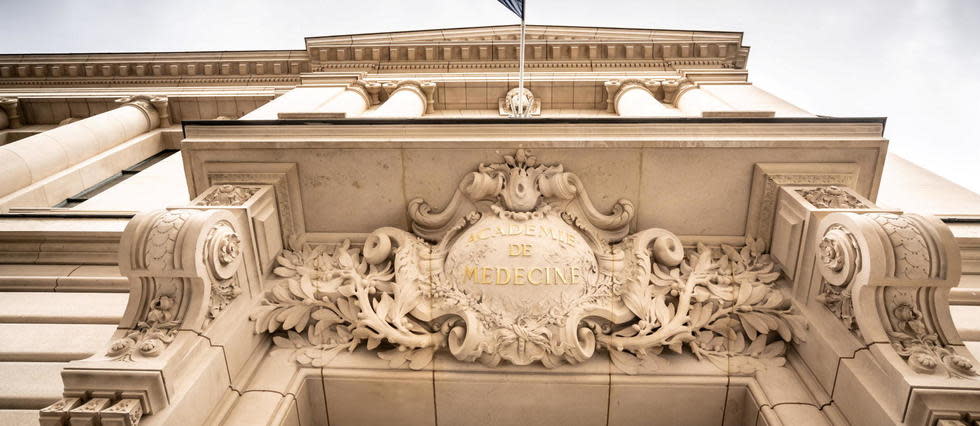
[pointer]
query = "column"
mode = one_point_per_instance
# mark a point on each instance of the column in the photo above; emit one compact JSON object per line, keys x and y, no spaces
{"x":351,"y":102}
{"x":31,"y":159}
{"x":747,"y":97}
{"x":693,"y":101}
{"x":300,"y":99}
{"x":407,"y":100}
{"x":635,"y":100}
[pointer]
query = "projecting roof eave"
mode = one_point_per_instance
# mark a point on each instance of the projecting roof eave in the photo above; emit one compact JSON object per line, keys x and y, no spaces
{"x":545,"y":120}
{"x":534,"y":32}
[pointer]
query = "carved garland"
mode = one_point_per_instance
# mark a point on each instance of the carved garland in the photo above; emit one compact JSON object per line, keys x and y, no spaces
{"x":632,"y":296}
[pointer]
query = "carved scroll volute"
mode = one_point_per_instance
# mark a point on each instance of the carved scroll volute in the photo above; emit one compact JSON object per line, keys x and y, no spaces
{"x":898,"y":270}
{"x":174,"y":258}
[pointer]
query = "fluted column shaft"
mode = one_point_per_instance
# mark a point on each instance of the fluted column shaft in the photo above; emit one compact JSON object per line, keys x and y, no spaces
{"x":634,"y":100}
{"x":31,"y":159}
{"x":694,"y":102}
{"x":406,"y":101}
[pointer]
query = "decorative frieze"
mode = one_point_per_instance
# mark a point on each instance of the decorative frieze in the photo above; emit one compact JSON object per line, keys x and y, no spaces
{"x":524,"y":269}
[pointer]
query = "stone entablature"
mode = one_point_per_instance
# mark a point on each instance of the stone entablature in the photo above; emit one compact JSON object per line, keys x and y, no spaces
{"x":463,"y":50}
{"x":547,"y":47}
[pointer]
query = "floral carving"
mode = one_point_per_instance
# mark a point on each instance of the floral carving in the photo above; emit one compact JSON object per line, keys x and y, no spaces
{"x":839,"y":260}
{"x":406,"y":297}
{"x":830,"y":197}
{"x":151,"y":336}
{"x":223,"y":251}
{"x":923,"y":350}
{"x":228,"y":195}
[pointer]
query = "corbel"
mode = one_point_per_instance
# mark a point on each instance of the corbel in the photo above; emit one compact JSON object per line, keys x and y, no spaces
{"x":188,"y":268}
{"x":886,"y":277}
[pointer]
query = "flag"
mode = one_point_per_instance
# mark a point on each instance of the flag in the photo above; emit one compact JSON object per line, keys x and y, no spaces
{"x":516,"y":6}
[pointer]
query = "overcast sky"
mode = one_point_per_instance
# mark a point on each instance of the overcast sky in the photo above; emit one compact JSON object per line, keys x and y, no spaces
{"x":913,"y":61}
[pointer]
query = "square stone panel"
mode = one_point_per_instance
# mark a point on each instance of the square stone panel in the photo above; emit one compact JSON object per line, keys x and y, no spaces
{"x":637,"y":401}
{"x":521,"y":399}
{"x":716,"y":183}
{"x":389,"y":398}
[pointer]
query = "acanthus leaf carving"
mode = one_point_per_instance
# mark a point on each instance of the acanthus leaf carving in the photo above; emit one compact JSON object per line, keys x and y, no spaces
{"x":582,"y":287}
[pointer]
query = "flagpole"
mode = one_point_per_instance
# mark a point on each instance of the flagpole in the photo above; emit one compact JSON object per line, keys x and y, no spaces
{"x":520,"y":76}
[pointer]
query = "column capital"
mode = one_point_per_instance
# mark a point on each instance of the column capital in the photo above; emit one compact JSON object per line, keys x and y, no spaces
{"x":9,"y":107}
{"x":146,"y":105}
{"x":424,"y":89}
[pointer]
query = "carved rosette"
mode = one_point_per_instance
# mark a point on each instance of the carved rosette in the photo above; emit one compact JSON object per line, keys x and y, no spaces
{"x":889,"y":275}
{"x":521,"y":267}
{"x":838,"y":260}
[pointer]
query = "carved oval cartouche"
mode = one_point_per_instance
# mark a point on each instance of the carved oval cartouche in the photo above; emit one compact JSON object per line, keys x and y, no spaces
{"x":523,"y":261}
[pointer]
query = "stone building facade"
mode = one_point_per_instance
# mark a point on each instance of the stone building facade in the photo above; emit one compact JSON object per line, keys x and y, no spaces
{"x":383,"y":229}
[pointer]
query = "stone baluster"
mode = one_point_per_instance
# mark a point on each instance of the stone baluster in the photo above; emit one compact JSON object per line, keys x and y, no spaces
{"x":635,"y":99}
{"x":405,"y":100}
{"x":36,"y":157}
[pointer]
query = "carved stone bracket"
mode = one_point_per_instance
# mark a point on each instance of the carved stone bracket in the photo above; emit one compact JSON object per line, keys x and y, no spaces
{"x":184,"y":266}
{"x":889,"y":276}
{"x":9,"y":107}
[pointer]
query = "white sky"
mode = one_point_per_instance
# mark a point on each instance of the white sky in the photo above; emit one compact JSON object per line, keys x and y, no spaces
{"x":913,"y":61}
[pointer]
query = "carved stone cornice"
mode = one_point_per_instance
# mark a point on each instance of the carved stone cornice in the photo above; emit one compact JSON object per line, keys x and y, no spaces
{"x":144,"y":69}
{"x":495,"y":47}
